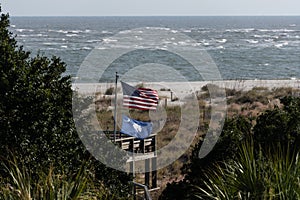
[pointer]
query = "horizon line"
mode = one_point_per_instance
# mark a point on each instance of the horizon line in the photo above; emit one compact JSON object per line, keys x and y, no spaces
{"x":154,"y":15}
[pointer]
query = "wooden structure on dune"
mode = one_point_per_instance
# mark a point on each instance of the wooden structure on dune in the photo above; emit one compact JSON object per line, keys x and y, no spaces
{"x":146,"y":150}
{"x":138,"y":138}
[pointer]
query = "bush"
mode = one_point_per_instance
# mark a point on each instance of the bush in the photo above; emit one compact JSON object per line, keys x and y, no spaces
{"x":275,"y":176}
{"x":257,"y":94}
{"x":35,"y":106}
{"x":232,"y":92}
{"x":36,"y":118}
{"x":279,"y":125}
{"x":212,"y":91}
{"x":109,"y":91}
{"x":233,"y":132}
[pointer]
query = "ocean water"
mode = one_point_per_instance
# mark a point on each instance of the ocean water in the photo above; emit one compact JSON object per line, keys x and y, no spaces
{"x":241,"y":47}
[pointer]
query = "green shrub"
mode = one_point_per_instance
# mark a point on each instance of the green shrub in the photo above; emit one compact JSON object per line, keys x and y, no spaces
{"x":37,"y":124}
{"x":232,"y":92}
{"x":279,"y":125}
{"x":109,"y":91}
{"x":212,"y":91}
{"x":165,"y":89}
{"x":275,"y":176}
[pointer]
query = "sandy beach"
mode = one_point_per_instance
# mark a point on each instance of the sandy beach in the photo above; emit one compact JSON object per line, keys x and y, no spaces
{"x":188,"y":87}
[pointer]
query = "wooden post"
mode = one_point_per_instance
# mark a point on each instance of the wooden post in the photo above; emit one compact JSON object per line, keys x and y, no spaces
{"x":132,"y":164}
{"x":134,"y":191}
{"x":154,"y":165}
{"x":154,"y":173}
{"x":147,"y":173}
{"x":166,"y":102}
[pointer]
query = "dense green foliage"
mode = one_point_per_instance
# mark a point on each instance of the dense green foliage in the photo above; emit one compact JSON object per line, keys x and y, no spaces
{"x":36,"y":124}
{"x":35,"y":113}
{"x":249,"y":176}
{"x":280,"y":125}
{"x":250,"y":161}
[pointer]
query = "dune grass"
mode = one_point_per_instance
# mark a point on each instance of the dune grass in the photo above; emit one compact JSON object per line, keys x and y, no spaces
{"x":20,"y":184}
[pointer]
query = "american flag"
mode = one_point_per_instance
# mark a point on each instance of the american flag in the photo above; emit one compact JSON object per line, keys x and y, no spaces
{"x":139,"y":98}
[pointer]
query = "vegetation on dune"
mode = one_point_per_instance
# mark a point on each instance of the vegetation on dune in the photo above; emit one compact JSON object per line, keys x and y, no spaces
{"x":254,"y":176}
{"x":250,"y":161}
{"x":265,"y":141}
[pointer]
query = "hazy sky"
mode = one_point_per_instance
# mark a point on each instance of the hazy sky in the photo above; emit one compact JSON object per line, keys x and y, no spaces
{"x":149,"y":7}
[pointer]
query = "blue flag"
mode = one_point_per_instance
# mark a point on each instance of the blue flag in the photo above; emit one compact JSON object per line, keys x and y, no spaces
{"x":136,"y":128}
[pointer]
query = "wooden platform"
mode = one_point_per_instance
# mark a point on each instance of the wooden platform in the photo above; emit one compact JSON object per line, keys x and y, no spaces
{"x":132,"y":144}
{"x":146,"y":150}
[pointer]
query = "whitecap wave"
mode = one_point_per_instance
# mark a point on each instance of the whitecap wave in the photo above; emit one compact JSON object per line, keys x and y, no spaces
{"x":252,"y":41}
{"x":75,"y":31}
{"x":186,"y":30}
{"x":51,"y":43}
{"x":138,"y":37}
{"x":36,"y":35}
{"x":51,"y":48}
{"x":269,"y":40}
{"x":158,"y":28}
{"x":221,"y":40}
{"x":125,"y":32}
{"x":263,"y":36}
{"x":48,"y":43}
{"x":106,"y":32}
{"x":281,"y":44}
{"x":109,"y":40}
{"x":243,"y":30}
{"x":24,"y":30}
{"x":58,"y":31}
{"x":277,"y":30}
{"x":72,"y":35}
{"x":94,"y":41}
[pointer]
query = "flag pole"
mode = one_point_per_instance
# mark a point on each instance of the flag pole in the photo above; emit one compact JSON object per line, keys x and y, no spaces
{"x":115,"y":110}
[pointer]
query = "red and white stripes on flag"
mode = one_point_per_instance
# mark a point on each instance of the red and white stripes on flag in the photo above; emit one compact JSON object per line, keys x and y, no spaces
{"x":139,"y":98}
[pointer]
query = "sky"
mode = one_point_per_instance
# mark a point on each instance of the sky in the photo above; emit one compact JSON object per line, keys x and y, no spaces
{"x":150,"y":7}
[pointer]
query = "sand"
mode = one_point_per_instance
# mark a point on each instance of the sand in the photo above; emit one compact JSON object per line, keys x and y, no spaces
{"x":189,"y":87}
